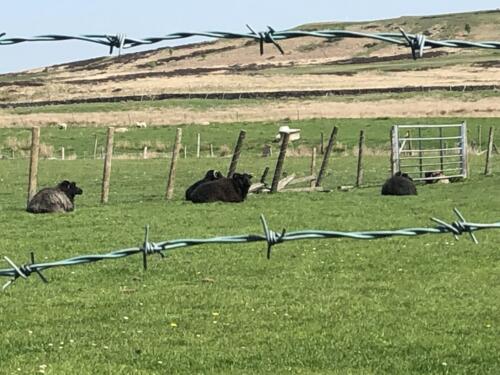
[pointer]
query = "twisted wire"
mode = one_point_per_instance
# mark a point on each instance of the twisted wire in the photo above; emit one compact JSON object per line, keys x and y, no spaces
{"x":272,"y":238}
{"x":416,"y":42}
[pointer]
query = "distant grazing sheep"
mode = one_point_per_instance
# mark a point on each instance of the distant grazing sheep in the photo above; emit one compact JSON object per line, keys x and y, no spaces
{"x":399,"y":184}
{"x":234,"y":189}
{"x":211,"y":175}
{"x":62,"y":126}
{"x":140,"y":124}
{"x":55,"y":199}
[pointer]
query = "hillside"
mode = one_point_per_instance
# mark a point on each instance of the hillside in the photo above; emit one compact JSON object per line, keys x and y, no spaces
{"x":236,"y":66}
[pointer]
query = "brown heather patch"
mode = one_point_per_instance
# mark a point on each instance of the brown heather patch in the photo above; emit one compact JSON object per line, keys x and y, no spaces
{"x":268,"y":111}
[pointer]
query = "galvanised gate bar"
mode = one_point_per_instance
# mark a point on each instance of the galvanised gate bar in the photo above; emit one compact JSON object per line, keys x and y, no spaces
{"x":417,"y":149}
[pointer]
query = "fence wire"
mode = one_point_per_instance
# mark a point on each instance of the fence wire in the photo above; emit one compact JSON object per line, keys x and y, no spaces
{"x":272,"y":238}
{"x":416,"y":42}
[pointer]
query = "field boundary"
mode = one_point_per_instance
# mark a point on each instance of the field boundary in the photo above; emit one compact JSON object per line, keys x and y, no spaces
{"x":255,"y":95}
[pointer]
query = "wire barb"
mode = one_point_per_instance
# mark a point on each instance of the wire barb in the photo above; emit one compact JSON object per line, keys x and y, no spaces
{"x":457,"y":227}
{"x":23,"y":272}
{"x":148,"y":248}
{"x":117,"y":41}
{"x":266,"y":37}
{"x":416,"y":43}
{"x":272,"y":237}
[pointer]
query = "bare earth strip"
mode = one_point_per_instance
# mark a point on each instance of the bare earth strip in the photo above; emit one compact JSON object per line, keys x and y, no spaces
{"x":268,"y":111}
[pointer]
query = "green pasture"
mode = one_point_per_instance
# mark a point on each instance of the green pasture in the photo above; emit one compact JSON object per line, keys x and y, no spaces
{"x":79,"y":142}
{"x":401,"y":305}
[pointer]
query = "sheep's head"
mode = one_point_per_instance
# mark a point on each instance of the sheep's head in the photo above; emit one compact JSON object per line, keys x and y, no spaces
{"x":212,"y":174}
{"x":69,"y":188}
{"x":405,"y":175}
{"x":243,"y":180}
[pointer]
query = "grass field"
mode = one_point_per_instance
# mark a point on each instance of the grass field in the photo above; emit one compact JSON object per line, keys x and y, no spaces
{"x":425,"y":305}
{"x":80,"y":141}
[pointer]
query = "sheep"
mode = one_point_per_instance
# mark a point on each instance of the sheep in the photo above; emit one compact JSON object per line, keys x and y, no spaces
{"x":62,"y":126}
{"x":211,"y":175}
{"x":234,"y":189}
{"x":436,"y":176}
{"x":141,"y":124}
{"x":399,"y":184}
{"x":55,"y":199}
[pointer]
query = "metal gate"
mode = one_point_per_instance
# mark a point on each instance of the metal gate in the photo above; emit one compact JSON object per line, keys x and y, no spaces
{"x":420,"y":149}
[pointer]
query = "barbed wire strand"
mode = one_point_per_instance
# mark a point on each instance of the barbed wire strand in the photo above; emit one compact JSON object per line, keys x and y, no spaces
{"x":416,"y":42}
{"x":272,"y":238}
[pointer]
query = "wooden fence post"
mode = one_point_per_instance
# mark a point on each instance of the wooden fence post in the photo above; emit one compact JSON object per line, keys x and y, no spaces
{"x":394,"y":151}
{"x":420,"y":153}
{"x":479,"y":136}
{"x":95,"y":147}
{"x":264,"y":175}
{"x":62,"y":153}
{"x":313,"y":166}
{"x":359,"y":175}
{"x":145,"y":152}
{"x":107,"y":166}
{"x":236,"y":154}
{"x":326,"y":157}
{"x":441,"y":149}
{"x":281,"y":159}
{"x":173,"y":164}
{"x":489,"y":152}
{"x":198,"y":145}
{"x":33,"y":169}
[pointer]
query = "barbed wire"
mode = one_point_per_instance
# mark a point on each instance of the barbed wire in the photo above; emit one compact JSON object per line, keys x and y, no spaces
{"x":272,"y":238}
{"x":416,"y":42}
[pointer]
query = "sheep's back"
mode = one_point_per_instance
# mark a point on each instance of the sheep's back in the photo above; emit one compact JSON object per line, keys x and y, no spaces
{"x":218,"y":190}
{"x":397,"y":185}
{"x":50,"y":200}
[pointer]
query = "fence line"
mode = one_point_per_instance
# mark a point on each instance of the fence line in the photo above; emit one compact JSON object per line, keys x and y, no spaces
{"x":416,"y":42}
{"x":272,"y":238}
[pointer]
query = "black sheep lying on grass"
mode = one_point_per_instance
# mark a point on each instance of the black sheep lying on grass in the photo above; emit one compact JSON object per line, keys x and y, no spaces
{"x":399,"y":184}
{"x":211,"y":175}
{"x":234,"y":189}
{"x":55,"y":199}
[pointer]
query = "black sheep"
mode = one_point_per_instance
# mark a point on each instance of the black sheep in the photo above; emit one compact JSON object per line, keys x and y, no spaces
{"x":55,"y":199}
{"x":399,"y":184}
{"x":234,"y":189}
{"x":211,"y":175}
